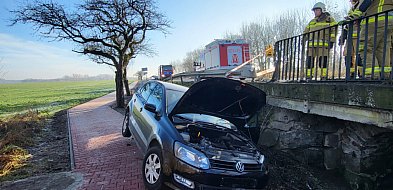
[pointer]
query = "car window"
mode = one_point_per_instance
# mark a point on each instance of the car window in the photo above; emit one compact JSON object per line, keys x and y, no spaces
{"x":146,"y":90}
{"x":156,"y":96}
{"x":172,"y":97}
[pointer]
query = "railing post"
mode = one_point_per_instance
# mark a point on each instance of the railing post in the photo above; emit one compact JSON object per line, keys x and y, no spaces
{"x":348,"y":60}
{"x":385,"y":32}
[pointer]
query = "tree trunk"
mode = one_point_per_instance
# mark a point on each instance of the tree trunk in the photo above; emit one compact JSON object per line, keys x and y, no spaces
{"x":119,"y":89}
{"x":125,"y":81}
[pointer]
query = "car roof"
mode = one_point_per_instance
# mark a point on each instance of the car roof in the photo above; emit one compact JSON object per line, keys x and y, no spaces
{"x":172,"y":86}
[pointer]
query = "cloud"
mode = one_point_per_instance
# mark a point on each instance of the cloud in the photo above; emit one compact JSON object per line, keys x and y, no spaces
{"x":30,"y":59}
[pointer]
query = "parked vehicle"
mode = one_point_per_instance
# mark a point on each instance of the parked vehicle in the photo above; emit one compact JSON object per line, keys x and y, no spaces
{"x":224,"y":55}
{"x":154,"y":77}
{"x":165,"y":71}
{"x":198,"y":137}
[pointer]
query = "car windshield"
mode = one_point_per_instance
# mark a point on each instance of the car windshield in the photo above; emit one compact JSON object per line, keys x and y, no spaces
{"x":172,"y":97}
{"x":207,"y":119}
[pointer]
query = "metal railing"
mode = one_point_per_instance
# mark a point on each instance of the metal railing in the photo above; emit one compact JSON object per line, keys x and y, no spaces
{"x":312,"y":57}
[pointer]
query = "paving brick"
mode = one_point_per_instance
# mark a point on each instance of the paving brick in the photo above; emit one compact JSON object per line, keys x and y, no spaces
{"x":101,"y":154}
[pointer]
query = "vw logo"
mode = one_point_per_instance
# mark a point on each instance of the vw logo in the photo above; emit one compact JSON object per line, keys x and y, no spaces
{"x":239,"y":166}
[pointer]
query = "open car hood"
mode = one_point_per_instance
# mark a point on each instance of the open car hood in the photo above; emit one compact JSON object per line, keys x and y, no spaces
{"x":228,"y":99}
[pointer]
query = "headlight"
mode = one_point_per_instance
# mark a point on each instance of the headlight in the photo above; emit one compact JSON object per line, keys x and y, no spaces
{"x":261,"y":159}
{"x":191,"y":156}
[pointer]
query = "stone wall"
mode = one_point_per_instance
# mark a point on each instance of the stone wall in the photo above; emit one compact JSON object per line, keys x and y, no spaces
{"x":363,"y":154}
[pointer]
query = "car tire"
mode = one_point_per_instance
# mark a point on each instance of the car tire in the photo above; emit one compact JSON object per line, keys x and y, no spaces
{"x":152,"y":169}
{"x":125,"y":129}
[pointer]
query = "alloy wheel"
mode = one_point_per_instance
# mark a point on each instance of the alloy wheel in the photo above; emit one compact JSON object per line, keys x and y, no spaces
{"x":152,"y":168}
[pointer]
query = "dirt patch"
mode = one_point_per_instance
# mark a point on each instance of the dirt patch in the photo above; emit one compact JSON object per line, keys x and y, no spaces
{"x":288,"y":173}
{"x":121,"y":110}
{"x":49,"y":150}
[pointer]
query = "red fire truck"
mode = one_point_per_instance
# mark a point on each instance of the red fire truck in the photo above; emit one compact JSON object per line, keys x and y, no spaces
{"x":165,"y":71}
{"x":225,"y":55}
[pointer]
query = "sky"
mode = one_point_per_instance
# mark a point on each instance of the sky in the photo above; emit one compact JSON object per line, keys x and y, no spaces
{"x":195,"y":23}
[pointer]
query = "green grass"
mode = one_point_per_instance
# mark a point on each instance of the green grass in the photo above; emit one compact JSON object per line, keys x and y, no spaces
{"x":49,"y":97}
{"x":24,"y":110}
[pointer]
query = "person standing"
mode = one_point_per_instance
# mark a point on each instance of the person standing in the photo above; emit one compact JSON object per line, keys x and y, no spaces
{"x":371,"y":7}
{"x":319,"y":41}
{"x":353,"y":14}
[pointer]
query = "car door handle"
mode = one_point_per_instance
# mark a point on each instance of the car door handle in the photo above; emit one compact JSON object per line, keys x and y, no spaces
{"x":134,"y":99}
{"x":140,"y":110}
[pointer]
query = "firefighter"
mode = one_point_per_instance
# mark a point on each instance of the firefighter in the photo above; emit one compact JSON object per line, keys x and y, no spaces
{"x":353,"y":14}
{"x":319,"y":41}
{"x":370,"y":7}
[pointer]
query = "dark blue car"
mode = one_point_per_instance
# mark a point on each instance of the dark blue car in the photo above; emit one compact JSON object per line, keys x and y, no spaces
{"x":197,"y":138}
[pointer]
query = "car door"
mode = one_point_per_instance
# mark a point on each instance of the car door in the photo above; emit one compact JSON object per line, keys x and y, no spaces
{"x":138,"y":113}
{"x":151,"y":120}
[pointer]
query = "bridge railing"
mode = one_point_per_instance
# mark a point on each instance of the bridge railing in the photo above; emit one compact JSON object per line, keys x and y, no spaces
{"x":312,"y":57}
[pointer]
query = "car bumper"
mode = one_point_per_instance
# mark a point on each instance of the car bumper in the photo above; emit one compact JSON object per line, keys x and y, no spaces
{"x":217,"y":178}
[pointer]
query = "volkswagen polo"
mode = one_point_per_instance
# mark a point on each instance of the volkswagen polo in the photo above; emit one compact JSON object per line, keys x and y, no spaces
{"x":197,"y":137}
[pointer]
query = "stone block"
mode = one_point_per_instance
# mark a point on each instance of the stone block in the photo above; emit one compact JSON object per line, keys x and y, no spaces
{"x":300,"y":139}
{"x":310,"y":156}
{"x":351,"y":161}
{"x":332,"y":158}
{"x":314,"y":157}
{"x":285,"y":116}
{"x":332,"y":140}
{"x":328,"y":127}
{"x":281,"y":125}
{"x":268,"y":138}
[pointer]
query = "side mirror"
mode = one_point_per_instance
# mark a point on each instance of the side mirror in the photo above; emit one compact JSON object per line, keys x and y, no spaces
{"x":150,"y":108}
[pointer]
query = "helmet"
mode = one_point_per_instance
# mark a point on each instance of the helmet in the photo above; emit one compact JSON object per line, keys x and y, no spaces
{"x":319,"y":5}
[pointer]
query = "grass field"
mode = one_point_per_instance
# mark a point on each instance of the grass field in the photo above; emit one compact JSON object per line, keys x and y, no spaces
{"x":24,"y":110}
{"x":49,"y":97}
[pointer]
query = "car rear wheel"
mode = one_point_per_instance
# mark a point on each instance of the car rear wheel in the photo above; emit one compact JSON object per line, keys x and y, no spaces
{"x":152,"y":168}
{"x":125,"y":129}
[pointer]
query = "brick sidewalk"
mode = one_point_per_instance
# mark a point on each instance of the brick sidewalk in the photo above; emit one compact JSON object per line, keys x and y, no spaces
{"x":105,"y":158}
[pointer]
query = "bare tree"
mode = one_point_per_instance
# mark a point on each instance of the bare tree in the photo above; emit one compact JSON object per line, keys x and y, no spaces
{"x":267,"y":31}
{"x":232,"y":36}
{"x":177,"y":66}
{"x":110,"y":32}
{"x":139,"y":74}
{"x":191,"y":57}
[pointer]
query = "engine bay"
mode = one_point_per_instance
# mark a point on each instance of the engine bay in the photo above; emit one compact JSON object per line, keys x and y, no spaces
{"x":211,"y":138}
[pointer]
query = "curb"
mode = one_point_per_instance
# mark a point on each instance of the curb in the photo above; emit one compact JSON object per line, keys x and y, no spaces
{"x":72,"y":160}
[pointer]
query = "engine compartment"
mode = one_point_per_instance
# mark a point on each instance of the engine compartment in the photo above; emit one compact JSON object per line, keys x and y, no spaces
{"x":212,"y":138}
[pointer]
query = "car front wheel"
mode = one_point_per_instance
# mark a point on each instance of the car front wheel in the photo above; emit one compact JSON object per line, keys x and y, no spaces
{"x":125,"y":129}
{"x":152,"y":168}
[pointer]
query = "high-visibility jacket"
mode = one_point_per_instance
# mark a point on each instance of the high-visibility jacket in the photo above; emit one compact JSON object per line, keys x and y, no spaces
{"x":370,"y":7}
{"x":354,"y":13}
{"x":325,"y":36}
